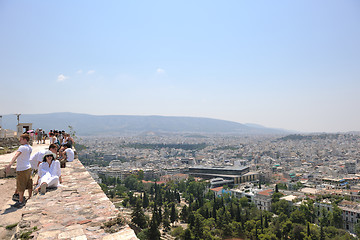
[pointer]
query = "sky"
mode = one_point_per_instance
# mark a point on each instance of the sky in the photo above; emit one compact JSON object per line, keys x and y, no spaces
{"x":282,"y":64}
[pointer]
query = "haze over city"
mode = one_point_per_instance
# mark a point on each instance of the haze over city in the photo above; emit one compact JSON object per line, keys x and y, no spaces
{"x":281,"y":64}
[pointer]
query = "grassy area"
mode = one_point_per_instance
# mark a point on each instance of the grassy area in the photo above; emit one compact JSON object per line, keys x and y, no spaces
{"x":11,"y":226}
{"x":27,"y":234}
{"x":4,"y":151}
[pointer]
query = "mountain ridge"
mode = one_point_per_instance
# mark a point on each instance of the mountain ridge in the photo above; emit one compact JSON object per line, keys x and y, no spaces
{"x":87,"y":124}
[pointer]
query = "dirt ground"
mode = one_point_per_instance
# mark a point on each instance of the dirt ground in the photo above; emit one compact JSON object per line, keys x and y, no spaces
{"x":8,"y":214}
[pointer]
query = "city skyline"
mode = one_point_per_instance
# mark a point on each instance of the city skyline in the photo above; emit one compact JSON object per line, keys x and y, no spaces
{"x":291,"y":65}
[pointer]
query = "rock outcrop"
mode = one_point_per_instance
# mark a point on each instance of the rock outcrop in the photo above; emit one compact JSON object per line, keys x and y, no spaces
{"x":78,"y":209}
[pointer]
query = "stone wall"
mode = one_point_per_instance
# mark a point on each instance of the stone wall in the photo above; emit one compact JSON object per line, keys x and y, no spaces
{"x":9,"y":142}
{"x":78,"y":209}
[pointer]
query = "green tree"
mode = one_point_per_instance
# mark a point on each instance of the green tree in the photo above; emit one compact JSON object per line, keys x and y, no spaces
{"x":132,"y":183}
{"x":104,"y":187}
{"x":277,"y":230}
{"x":145,"y":199}
{"x":214,"y":213}
{"x":198,"y":227}
{"x":184,"y":214}
{"x":159,"y":216}
{"x":166,"y":220}
{"x":336,"y":217}
{"x":266,"y":222}
{"x":244,"y":202}
{"x":155,"y":213}
{"x":276,"y":197}
{"x":138,"y":216}
{"x":191,"y":219}
{"x":154,"y":233}
{"x":238,"y":214}
{"x":249,"y":226}
{"x":286,"y":228}
{"x":140,"y":175}
{"x":187,"y":234}
{"x":268,"y":236}
{"x":324,"y":219}
{"x":357,"y":229}
{"x":322,"y":234}
{"x":177,"y":232}
{"x":173,"y":214}
{"x":297,"y":232}
{"x":298,"y":216}
{"x":281,"y":206}
{"x":308,"y":209}
{"x":144,"y":234}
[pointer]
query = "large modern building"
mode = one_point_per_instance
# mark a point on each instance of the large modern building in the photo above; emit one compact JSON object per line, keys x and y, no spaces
{"x":237,"y":174}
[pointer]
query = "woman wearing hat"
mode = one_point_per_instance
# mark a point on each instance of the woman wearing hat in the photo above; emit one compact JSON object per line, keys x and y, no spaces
{"x":49,"y":173}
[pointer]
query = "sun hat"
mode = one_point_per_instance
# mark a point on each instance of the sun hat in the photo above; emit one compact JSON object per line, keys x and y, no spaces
{"x":49,"y":153}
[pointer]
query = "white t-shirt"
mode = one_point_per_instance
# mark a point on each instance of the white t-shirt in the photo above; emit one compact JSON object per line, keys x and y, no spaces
{"x":69,"y":155}
{"x":52,"y":139}
{"x":54,"y":169}
{"x":23,"y":160}
{"x":36,"y":158}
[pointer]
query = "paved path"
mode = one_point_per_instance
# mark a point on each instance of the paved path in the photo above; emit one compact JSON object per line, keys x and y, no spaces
{"x":76,"y":210}
{"x":8,"y":214}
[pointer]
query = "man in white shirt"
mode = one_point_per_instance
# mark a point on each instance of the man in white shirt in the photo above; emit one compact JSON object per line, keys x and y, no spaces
{"x":68,"y":153}
{"x":23,"y":169}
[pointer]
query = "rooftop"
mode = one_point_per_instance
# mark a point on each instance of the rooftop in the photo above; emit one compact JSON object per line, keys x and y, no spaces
{"x":239,"y":168}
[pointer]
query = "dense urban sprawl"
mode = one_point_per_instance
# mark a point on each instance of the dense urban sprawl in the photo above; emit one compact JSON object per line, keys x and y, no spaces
{"x":296,"y":170}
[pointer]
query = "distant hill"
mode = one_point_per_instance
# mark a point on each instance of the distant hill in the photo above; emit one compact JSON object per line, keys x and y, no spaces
{"x":85,"y":124}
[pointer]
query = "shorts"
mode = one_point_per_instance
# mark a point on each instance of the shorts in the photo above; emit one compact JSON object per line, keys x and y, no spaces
{"x":24,"y":180}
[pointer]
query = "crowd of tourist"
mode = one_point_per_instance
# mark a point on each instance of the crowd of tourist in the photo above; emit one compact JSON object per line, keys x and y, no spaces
{"x":58,"y":137}
{"x":46,"y":164}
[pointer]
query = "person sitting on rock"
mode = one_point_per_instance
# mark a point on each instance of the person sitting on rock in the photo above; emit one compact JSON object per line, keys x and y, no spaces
{"x":52,"y":138}
{"x":66,"y":154}
{"x":49,"y":174}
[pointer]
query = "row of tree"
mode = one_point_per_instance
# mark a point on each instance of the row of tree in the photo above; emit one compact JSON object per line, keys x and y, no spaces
{"x":161,"y":207}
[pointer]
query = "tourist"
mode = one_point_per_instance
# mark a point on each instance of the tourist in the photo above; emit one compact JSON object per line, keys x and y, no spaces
{"x":61,"y":137}
{"x":70,"y":140}
{"x":32,"y":133}
{"x":52,"y":137}
{"x":66,"y":155}
{"x":23,"y":170}
{"x":37,"y":158}
{"x":49,"y":174}
{"x":64,"y":140}
{"x":39,"y":136}
{"x":69,"y":153}
{"x":44,"y":136}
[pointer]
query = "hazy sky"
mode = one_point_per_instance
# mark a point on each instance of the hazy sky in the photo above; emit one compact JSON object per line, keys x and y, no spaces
{"x":286,"y":64}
